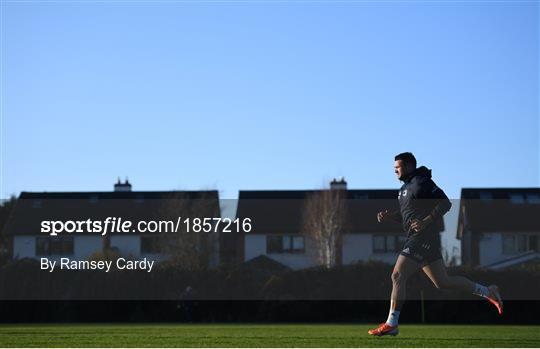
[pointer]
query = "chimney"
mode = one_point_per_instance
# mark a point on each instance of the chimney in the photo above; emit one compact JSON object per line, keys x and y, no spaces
{"x":338,"y":185}
{"x":119,"y":186}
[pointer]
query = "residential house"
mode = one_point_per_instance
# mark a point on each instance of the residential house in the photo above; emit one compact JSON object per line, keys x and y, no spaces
{"x":32,"y":208}
{"x":278,"y":227}
{"x":499,"y":227}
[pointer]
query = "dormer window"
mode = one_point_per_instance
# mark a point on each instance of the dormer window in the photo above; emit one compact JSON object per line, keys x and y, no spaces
{"x":517,"y":198}
{"x":533,"y":198}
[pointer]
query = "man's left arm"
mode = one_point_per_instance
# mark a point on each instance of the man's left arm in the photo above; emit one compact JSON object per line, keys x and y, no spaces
{"x":442,"y":203}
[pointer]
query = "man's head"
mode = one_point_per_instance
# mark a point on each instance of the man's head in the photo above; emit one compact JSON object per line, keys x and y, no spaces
{"x":404,"y":165}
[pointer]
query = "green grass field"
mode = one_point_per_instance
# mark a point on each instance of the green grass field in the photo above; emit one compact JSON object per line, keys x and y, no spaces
{"x":262,"y":335}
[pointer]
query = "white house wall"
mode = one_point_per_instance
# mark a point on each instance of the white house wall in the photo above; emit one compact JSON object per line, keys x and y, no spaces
{"x":490,"y":248}
{"x":85,"y":246}
{"x":359,"y":247}
{"x":254,"y":245}
{"x":127,"y":244}
{"x":24,"y":246}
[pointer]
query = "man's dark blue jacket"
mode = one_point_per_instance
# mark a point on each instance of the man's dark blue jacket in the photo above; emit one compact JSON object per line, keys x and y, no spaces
{"x":419,"y":197}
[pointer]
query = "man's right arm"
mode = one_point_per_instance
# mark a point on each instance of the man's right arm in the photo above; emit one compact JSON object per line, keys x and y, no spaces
{"x":390,"y":215}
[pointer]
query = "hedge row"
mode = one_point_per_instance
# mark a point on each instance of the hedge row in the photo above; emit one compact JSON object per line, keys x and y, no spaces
{"x":366,"y":281}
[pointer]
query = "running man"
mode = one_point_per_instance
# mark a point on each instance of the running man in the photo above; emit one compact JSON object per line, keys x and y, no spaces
{"x":422,"y":207}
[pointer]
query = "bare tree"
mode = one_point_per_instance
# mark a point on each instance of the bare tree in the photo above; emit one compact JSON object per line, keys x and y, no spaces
{"x":190,"y":246}
{"x":324,"y":216}
{"x":451,"y":260}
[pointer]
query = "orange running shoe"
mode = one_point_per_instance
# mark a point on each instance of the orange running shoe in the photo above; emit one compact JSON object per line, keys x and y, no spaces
{"x":495,"y":298}
{"x":383,"y":330}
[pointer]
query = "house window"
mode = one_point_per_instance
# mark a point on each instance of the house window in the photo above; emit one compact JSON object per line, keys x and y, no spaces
{"x":54,"y":245}
{"x":517,"y":198}
{"x":93,"y":199}
{"x":61,"y":245}
{"x":150,"y":244}
{"x":298,"y":243}
{"x":37,"y":204}
{"x":533,"y":198}
{"x":508,"y":244}
{"x":391,"y":244}
{"x":520,"y":243}
{"x":533,"y":242}
{"x":274,"y":244}
{"x":388,"y":243}
{"x":42,"y":246}
{"x":285,"y":244}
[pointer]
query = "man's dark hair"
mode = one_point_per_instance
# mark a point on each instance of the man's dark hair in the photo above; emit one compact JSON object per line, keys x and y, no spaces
{"x":407,"y":158}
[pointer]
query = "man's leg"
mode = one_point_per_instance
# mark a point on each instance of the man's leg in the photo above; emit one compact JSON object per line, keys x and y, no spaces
{"x":403,"y":269}
{"x":436,"y":271}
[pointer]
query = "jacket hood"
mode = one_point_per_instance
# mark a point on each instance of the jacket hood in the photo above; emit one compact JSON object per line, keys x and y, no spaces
{"x":421,"y":172}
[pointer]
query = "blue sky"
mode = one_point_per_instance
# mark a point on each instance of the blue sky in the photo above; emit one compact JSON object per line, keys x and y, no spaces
{"x":286,"y":95}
